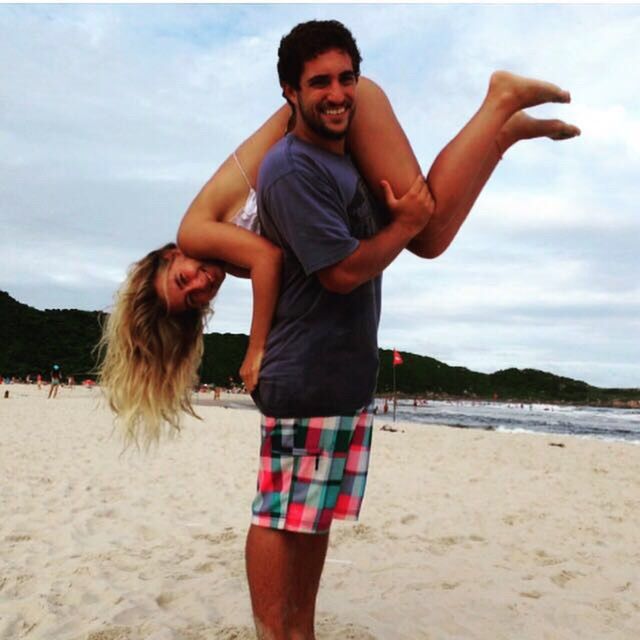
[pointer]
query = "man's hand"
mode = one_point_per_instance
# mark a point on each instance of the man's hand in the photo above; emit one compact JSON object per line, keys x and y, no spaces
{"x":250,"y":368}
{"x":415,"y":208}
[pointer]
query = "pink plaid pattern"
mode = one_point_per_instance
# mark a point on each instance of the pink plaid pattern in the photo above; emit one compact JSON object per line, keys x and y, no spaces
{"x":311,"y":471}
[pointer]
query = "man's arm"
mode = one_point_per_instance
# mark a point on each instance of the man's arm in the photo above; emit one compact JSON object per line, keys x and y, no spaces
{"x":373,"y":255}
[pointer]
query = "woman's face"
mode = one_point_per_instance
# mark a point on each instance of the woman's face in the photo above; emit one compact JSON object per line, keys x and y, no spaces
{"x":186,"y":283}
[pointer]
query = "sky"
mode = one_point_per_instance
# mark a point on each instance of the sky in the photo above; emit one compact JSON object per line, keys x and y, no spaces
{"x":113,"y":116}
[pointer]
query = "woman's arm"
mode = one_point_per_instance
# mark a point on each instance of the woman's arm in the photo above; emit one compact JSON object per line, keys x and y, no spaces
{"x":226,"y":191}
{"x":248,"y":251}
{"x":205,"y":234}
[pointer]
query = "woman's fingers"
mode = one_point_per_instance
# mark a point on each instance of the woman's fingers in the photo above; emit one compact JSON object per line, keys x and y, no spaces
{"x":250,"y":369}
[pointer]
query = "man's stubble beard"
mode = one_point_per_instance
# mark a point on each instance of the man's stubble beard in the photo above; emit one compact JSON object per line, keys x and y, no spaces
{"x":318,"y":128}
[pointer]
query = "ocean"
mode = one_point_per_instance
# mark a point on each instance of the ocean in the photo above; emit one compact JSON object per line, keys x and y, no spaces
{"x":595,"y":422}
{"x":591,"y":422}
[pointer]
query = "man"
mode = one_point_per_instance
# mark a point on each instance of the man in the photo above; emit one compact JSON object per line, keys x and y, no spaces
{"x":320,"y":367}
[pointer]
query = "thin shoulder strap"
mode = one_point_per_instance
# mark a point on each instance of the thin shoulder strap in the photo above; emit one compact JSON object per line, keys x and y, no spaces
{"x":244,"y":175}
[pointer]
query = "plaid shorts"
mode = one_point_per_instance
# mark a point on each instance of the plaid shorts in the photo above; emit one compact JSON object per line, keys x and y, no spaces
{"x":311,"y":471}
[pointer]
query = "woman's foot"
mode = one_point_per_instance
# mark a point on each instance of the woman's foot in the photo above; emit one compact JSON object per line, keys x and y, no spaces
{"x":521,"y":126}
{"x":517,"y":92}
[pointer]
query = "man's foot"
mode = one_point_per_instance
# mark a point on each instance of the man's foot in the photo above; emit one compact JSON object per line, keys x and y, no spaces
{"x":518,"y":92}
{"x":521,"y":126}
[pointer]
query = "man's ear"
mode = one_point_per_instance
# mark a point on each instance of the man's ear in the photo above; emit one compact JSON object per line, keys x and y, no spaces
{"x":290,"y":95}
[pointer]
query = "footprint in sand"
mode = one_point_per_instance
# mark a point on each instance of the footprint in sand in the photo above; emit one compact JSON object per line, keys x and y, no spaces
{"x":418,"y":586}
{"x":115,"y":633}
{"x":18,"y":627}
{"x":228,"y":535}
{"x":18,"y":537}
{"x":235,"y":633}
{"x":449,"y":541}
{"x":408,"y":519}
{"x":206,"y":567}
{"x":535,"y":595}
{"x":356,"y":532}
{"x":19,"y":586}
{"x":206,"y":632}
{"x":563,"y":577}
{"x":330,"y":629}
{"x":543,"y":559}
{"x":165,"y":599}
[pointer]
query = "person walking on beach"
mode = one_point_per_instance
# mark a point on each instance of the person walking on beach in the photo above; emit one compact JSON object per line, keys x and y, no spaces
{"x":56,"y":377}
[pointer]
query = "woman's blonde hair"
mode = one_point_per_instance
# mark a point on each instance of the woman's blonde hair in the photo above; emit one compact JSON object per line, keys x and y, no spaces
{"x":150,"y":358}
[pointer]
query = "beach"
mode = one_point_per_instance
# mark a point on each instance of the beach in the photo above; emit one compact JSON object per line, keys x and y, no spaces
{"x":464,"y":533}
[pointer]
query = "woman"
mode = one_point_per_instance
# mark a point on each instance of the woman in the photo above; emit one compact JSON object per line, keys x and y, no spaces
{"x":153,"y":338}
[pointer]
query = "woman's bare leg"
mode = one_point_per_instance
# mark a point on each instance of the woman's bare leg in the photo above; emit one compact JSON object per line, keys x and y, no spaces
{"x":382,"y":149}
{"x":519,"y":127}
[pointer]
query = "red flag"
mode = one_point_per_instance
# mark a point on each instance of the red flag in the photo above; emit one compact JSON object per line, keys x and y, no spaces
{"x":397,"y":358}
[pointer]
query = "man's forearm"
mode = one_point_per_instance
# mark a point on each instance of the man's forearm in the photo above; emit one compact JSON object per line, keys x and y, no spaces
{"x":369,"y":260}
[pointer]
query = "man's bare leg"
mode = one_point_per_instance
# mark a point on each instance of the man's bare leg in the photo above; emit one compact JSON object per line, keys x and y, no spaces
{"x":284,"y":570}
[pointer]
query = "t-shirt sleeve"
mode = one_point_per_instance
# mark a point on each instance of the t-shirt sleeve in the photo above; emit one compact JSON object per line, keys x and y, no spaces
{"x":309,"y":214}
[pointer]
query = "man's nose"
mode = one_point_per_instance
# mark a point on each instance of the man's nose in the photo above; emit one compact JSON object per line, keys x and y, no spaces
{"x":336,"y":93}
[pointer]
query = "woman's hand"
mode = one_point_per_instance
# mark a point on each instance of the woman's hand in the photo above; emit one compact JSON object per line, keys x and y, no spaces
{"x":250,"y":369}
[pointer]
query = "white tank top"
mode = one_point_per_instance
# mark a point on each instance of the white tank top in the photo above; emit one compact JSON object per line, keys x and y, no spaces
{"x":247,"y":216}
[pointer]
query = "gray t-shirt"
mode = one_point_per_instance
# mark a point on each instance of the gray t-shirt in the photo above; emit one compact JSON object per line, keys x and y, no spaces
{"x":321,"y":356}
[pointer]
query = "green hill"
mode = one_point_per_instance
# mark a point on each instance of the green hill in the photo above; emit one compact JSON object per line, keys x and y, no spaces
{"x":32,"y":340}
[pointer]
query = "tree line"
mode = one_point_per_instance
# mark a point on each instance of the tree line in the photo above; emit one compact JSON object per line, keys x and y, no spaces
{"x":33,"y":340}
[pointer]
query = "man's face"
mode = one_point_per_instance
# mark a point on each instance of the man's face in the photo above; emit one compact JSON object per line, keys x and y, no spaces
{"x":325,"y":101}
{"x":186,"y":283}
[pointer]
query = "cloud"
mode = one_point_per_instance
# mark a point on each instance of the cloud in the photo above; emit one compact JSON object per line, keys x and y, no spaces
{"x":113,"y":116}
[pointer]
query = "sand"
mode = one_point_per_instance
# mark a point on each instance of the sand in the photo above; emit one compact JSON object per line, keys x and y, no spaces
{"x":464,"y":534}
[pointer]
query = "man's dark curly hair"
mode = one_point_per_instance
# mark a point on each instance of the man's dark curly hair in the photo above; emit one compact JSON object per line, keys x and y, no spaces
{"x":308,"y":40}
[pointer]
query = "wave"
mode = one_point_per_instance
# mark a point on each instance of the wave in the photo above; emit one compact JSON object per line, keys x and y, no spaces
{"x":596,"y":422}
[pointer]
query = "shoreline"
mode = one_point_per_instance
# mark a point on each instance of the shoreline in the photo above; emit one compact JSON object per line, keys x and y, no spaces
{"x":244,"y":401}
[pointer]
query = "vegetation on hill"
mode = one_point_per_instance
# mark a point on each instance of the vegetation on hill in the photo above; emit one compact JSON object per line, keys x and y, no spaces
{"x":31,"y":341}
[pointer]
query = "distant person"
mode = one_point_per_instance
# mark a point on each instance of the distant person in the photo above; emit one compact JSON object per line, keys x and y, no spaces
{"x":56,"y":377}
{"x":39,"y":381}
